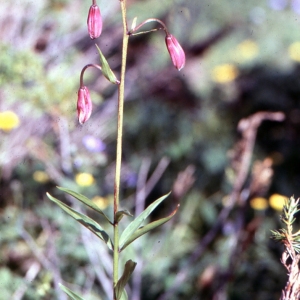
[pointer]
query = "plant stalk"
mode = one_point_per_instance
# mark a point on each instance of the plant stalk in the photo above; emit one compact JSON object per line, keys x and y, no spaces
{"x":119,"y":144}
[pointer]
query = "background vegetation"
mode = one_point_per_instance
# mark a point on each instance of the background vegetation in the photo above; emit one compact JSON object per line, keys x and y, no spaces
{"x":181,"y":134}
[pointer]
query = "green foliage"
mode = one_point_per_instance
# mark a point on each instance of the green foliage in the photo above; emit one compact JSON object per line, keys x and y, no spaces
{"x":130,"y":232}
{"x":85,"y":221}
{"x":85,"y":201}
{"x":106,"y":70}
{"x":287,"y":236}
{"x":121,"y":213}
{"x":189,"y":117}
{"x":144,"y":229}
{"x":128,"y":270}
{"x":9,"y":282}
{"x":70,"y":293}
{"x":19,"y":67}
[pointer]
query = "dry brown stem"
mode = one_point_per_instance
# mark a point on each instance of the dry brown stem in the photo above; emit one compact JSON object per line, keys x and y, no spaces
{"x":291,"y":262}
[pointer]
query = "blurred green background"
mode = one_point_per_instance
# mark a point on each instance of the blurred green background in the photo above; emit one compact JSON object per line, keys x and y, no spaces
{"x":179,"y":131}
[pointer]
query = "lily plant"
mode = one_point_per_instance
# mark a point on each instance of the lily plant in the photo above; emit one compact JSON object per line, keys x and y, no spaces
{"x":120,"y":240}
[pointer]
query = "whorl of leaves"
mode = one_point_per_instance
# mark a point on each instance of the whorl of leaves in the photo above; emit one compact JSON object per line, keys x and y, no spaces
{"x":286,"y":236}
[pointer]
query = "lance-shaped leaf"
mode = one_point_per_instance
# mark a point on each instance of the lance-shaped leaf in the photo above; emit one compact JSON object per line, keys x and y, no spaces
{"x":85,"y":201}
{"x":128,"y":270}
{"x":85,"y":221}
{"x":120,"y":214}
{"x":148,"y":227}
{"x":135,"y":224}
{"x":106,"y":70}
{"x":70,"y":293}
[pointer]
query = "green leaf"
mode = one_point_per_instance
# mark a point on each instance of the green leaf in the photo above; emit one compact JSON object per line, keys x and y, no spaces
{"x":85,"y":221}
{"x":128,"y":270}
{"x":135,"y":224}
{"x":147,"y":228}
{"x":124,"y":295}
{"x":106,"y":70}
{"x":70,"y":293}
{"x":85,"y":201}
{"x":120,"y":214}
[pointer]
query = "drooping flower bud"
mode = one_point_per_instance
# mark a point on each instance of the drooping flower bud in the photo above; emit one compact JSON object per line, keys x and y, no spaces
{"x":176,"y":52}
{"x":84,"y":105}
{"x":94,"y":22}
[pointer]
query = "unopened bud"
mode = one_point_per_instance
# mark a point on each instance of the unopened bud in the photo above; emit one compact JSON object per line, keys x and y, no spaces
{"x":84,"y":105}
{"x":94,"y":22}
{"x":176,"y":52}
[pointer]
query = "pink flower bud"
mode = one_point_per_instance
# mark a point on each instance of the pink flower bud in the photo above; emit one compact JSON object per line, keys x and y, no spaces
{"x":176,"y":52}
{"x":84,"y":105}
{"x":94,"y":22}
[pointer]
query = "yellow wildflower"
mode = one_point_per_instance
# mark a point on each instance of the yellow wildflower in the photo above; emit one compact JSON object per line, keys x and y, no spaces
{"x":102,"y":202}
{"x":294,"y":51}
{"x":8,"y":120}
{"x":84,"y":179}
{"x":259,"y":203}
{"x":277,"y":201}
{"x":224,"y":73}
{"x":40,"y":176}
{"x":246,"y":50}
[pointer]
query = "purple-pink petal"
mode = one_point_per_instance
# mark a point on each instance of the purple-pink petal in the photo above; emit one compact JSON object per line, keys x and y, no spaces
{"x":94,"y":22}
{"x":93,"y":144}
{"x":176,"y":52}
{"x":84,"y":105}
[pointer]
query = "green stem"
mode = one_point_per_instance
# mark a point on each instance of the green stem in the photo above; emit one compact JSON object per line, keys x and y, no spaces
{"x":119,"y":144}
